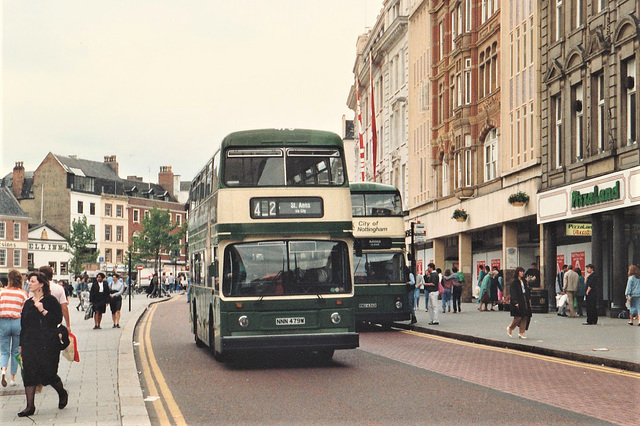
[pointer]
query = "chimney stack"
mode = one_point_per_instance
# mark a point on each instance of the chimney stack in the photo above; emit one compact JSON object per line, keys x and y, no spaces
{"x":165,"y":179}
{"x":110,"y":160}
{"x":18,"y":179}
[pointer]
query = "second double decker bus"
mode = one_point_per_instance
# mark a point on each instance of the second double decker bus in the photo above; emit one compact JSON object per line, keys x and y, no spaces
{"x":270,"y":245}
{"x":380,"y":277}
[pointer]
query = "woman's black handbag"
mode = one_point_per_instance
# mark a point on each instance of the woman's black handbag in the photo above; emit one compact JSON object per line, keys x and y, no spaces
{"x":63,"y":334}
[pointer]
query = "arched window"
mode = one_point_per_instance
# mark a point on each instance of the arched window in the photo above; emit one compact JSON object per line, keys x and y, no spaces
{"x":491,"y":155}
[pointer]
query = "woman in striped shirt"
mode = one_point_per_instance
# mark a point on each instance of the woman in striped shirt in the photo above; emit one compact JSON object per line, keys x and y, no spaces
{"x":12,"y":299}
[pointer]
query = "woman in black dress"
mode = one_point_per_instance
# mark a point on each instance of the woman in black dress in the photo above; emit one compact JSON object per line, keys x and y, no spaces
{"x":99,"y":297}
{"x":520,"y":303}
{"x":40,"y":344}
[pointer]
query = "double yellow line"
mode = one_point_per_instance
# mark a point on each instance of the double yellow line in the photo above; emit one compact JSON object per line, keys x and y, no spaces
{"x":165,"y":406}
{"x":547,"y":358}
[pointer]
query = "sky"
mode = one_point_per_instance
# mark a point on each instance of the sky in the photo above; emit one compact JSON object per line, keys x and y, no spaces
{"x":160,"y":83}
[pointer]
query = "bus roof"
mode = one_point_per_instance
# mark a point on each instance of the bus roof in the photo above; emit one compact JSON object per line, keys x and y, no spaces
{"x":282,"y":137}
{"x":372,"y":187}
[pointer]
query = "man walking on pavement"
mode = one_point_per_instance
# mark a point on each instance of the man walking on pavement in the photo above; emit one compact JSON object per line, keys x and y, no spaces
{"x":431,"y":280}
{"x":570,"y":287}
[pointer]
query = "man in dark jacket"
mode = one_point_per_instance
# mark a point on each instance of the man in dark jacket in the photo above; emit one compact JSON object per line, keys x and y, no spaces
{"x":431,"y":281}
{"x":592,"y":296}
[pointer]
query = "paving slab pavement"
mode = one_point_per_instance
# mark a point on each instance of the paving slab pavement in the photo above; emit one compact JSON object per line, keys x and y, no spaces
{"x":103,"y":387}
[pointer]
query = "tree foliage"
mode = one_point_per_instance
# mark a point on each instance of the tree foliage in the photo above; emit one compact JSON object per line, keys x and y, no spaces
{"x":79,"y":238}
{"x":158,"y":235}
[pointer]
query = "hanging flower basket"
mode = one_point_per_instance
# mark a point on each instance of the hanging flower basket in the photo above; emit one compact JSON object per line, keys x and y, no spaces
{"x":460,"y":215}
{"x":518,"y":199}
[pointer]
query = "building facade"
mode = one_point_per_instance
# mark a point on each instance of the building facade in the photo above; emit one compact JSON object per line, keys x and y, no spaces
{"x":473,"y":131}
{"x":64,"y":189}
{"x":47,"y":246}
{"x":14,"y":234}
{"x":590,"y":196}
{"x":382,"y":59}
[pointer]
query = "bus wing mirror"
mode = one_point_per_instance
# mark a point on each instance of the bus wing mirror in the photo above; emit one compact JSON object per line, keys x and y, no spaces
{"x":357,"y":246}
{"x":409,"y":257}
{"x":213,"y":271}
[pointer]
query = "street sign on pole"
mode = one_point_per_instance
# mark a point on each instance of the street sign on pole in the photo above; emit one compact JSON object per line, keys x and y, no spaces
{"x":139,"y":267}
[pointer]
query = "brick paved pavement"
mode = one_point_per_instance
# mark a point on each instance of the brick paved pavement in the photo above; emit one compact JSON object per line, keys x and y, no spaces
{"x":556,"y":382}
{"x":611,"y":342}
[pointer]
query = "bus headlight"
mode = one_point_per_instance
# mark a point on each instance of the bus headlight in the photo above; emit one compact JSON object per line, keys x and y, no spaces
{"x":243,"y":321}
{"x":336,"y":318}
{"x":398,"y":304}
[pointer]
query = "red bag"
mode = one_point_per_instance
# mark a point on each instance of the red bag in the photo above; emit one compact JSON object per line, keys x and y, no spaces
{"x":440,"y":288}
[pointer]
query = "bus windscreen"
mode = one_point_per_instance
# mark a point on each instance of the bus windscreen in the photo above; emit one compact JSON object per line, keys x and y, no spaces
{"x":286,"y":267}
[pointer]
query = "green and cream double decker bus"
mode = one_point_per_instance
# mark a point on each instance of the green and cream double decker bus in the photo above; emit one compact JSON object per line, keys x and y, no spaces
{"x":270,"y":245}
{"x":380,"y":277}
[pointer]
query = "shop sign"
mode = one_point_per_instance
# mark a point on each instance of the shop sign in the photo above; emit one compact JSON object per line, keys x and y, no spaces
{"x":578,"y":229}
{"x":595,"y":196}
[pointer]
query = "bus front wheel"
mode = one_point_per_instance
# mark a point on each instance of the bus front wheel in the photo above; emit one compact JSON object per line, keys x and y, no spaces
{"x":218,"y":356}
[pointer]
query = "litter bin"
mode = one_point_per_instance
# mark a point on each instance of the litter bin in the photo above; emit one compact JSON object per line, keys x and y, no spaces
{"x":540,"y":301}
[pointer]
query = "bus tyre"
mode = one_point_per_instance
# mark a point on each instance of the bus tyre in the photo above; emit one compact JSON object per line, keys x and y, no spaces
{"x":199,"y":343}
{"x":325,"y":354}
{"x":212,"y":341}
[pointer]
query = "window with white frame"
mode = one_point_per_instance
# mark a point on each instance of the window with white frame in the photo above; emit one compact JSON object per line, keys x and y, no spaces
{"x":467,"y":81}
{"x":558,"y":20}
{"x":600,"y":112}
{"x":453,"y":30}
{"x":107,"y":210}
{"x":441,"y":28}
{"x":107,"y":232}
{"x":136,"y":216}
{"x":147,"y":213}
{"x":467,"y":15}
{"x":467,"y":167}
{"x":3,"y":257}
{"x":458,"y":183}
{"x":578,"y":121}
{"x":491,"y":155}
{"x":119,"y":210}
{"x":445,"y":178}
{"x":107,"y":255}
{"x":458,"y":90}
{"x":557,"y":131}
{"x":17,"y":258}
{"x":631,"y":108}
{"x":16,"y":231}
{"x":600,"y":5}
{"x":119,"y":255}
{"x":578,"y":16}
{"x":119,"y":233}
{"x":64,"y":268}
{"x":3,"y":230}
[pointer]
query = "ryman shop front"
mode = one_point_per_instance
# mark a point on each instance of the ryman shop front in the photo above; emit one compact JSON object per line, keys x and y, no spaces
{"x":595,"y":221}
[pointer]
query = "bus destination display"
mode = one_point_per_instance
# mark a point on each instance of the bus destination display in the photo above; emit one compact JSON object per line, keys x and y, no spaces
{"x":286,"y":207}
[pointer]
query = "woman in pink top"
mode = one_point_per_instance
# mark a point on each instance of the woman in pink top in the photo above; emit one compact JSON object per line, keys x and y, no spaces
{"x":12,"y":299}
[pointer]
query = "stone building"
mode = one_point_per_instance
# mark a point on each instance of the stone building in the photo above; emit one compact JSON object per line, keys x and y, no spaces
{"x":14,"y":234}
{"x":65,"y":188}
{"x":473,"y":133}
{"x":386,"y":46}
{"x":590,"y":195}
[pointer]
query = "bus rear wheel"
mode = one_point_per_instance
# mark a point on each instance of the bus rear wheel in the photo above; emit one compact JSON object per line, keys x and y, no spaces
{"x":199,"y":343}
